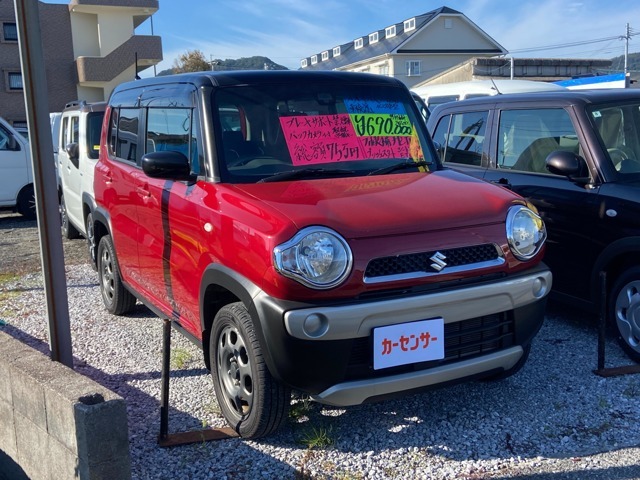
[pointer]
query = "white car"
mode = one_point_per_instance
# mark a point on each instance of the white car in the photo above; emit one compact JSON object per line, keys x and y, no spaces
{"x":16,"y":175}
{"x":78,"y":145}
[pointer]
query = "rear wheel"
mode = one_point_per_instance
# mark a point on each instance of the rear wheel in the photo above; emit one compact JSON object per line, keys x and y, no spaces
{"x":27,"y":203}
{"x":68,"y":230}
{"x":117,"y":299}
{"x":624,"y":308}
{"x":91,"y":241}
{"x":251,"y":400}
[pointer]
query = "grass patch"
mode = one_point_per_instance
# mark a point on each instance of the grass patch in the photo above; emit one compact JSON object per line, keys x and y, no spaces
{"x":179,"y":358}
{"x":317,"y":437}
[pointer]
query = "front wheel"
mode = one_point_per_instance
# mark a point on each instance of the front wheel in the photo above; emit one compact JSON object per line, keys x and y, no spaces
{"x":624,"y":307}
{"x":251,"y":400}
{"x":117,"y":299}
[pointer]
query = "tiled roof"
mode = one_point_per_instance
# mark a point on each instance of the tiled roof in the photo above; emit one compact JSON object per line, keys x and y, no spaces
{"x":349,"y":54}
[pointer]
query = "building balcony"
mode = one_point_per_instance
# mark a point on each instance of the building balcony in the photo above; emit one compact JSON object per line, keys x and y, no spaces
{"x":104,"y":69}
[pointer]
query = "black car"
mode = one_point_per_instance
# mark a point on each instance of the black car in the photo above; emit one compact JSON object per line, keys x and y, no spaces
{"x":575,"y":155}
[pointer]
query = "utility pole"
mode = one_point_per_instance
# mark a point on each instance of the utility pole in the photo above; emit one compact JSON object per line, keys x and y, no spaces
{"x":626,"y":49}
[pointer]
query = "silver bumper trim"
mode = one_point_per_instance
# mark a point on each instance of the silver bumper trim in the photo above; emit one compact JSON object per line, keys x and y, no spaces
{"x":357,"y":320}
{"x":356,"y":392}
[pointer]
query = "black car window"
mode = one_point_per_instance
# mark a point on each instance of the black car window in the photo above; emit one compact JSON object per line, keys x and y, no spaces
{"x":618,"y":126}
{"x":461,"y":137}
{"x":527,"y":137}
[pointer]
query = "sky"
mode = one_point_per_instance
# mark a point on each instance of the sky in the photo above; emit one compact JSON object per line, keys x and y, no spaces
{"x":288,"y":30}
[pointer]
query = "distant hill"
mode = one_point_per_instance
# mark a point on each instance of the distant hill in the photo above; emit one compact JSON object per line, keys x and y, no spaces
{"x":245,"y":63}
{"x":633,"y":63}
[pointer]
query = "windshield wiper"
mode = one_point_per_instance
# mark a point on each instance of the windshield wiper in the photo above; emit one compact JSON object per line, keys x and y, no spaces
{"x":307,"y":173}
{"x":399,"y":166}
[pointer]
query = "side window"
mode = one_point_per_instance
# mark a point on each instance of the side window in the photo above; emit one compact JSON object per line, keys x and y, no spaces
{"x":171,"y":129}
{"x":461,"y":137}
{"x":75,"y":130}
{"x":94,"y":127}
{"x":527,"y":137}
{"x":124,"y":134}
{"x":5,"y":139}
{"x":64,"y":136}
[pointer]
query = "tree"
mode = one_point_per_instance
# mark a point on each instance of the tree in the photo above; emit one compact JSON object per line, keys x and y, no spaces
{"x":191,"y":61}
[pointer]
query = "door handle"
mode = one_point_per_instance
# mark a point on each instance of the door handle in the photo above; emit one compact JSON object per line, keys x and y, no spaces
{"x":143,"y":191}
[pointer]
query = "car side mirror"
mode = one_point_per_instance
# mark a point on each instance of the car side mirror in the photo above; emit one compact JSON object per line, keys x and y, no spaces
{"x":567,"y":164}
{"x":72,"y":151}
{"x":168,"y":165}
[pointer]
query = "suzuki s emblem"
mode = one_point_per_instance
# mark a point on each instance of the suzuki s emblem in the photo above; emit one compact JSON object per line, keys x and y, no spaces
{"x":438,"y":260}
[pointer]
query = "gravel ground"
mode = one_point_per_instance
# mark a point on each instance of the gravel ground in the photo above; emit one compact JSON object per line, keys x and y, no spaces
{"x":554,"y":420}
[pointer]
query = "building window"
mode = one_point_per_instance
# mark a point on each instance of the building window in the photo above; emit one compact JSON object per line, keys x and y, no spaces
{"x":325,"y":56}
{"x":448,"y":23}
{"x":336,"y":51}
{"x":359,"y":43}
{"x":14,"y":81}
{"x":303,"y":62}
{"x":314,"y":59}
{"x":373,"y":37}
{"x":413,"y":68}
{"x":9,"y":32}
{"x":383,"y":69}
{"x":410,"y":24}
{"x":390,"y":31}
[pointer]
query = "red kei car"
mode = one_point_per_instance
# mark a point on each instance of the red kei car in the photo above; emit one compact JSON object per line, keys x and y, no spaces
{"x":299,"y":227}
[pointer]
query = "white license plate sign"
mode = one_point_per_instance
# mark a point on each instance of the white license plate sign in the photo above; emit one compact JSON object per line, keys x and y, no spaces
{"x":408,"y":343}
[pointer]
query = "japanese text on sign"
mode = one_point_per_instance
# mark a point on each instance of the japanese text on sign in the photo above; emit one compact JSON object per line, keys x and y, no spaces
{"x":333,"y":138}
{"x":408,"y":343}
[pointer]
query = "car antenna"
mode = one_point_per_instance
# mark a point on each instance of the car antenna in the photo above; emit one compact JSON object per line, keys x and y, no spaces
{"x":495,"y":87}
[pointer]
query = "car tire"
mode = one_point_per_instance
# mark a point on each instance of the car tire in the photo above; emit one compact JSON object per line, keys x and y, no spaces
{"x":117,"y":299}
{"x":68,"y":231}
{"x":513,"y":370}
{"x":26,"y":203}
{"x":624,"y":311}
{"x":91,"y":241}
{"x":251,"y":400}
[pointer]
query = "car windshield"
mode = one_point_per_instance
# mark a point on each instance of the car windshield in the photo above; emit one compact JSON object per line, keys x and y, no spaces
{"x":619,"y":130}
{"x":277,"y":132}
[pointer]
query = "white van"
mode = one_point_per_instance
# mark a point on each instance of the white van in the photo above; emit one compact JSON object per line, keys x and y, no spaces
{"x":78,"y":145}
{"x":16,"y":174}
{"x":434,"y":95}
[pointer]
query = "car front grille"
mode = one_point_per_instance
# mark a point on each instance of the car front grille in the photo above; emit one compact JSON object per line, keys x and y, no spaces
{"x":464,"y":339}
{"x":432,"y":263}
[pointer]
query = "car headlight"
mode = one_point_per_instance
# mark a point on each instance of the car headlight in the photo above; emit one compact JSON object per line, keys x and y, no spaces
{"x":526,"y":232}
{"x":317,"y":257}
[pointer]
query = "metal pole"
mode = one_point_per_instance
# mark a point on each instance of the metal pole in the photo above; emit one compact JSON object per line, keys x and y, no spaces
{"x":602,"y":325}
{"x":44,"y":177}
{"x":164,"y":376}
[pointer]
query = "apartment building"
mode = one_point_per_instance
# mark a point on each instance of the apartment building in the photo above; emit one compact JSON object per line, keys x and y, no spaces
{"x":89,"y":47}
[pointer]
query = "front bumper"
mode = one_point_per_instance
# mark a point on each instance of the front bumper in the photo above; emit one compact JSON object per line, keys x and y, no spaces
{"x":326,"y":350}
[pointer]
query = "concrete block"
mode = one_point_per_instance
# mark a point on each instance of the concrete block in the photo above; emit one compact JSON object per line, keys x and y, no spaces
{"x":103,"y":437}
{"x":32,"y":443}
{"x":11,"y":348}
{"x":7,"y":430}
{"x":30,"y":376}
{"x":63,"y":395}
{"x":62,"y":462}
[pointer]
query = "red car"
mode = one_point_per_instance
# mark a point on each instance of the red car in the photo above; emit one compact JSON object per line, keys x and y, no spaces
{"x":299,"y":227}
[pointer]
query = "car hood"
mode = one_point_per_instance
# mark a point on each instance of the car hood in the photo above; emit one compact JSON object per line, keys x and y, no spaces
{"x":387,"y":205}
